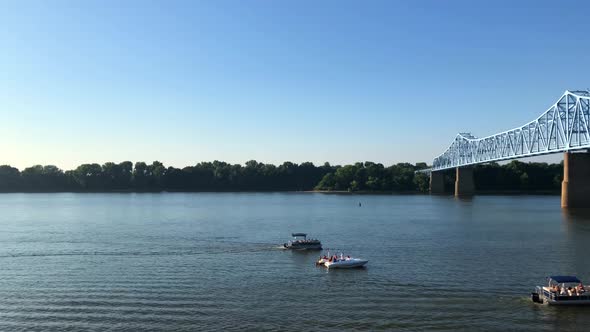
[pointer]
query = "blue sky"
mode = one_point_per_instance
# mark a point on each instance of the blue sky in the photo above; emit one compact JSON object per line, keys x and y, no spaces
{"x":338,"y":81}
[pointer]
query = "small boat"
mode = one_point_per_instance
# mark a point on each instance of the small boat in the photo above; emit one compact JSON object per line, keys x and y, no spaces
{"x":341,"y":262}
{"x":562,"y":290}
{"x":300,"y":242}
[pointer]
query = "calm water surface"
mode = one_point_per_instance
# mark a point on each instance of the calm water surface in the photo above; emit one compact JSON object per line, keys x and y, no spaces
{"x":186,"y":262}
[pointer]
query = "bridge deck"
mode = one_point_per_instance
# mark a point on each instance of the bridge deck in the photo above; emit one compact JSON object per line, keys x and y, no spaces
{"x":565,"y":126}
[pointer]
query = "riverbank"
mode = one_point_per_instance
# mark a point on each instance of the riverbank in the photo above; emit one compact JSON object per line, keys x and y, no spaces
{"x":217,"y":176}
{"x":328,"y":192}
{"x":366,"y":192}
{"x":484,"y":192}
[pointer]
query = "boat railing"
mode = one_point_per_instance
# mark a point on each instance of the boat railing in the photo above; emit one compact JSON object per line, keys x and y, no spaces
{"x":548,"y":294}
{"x":558,"y":297}
{"x":572,"y":298}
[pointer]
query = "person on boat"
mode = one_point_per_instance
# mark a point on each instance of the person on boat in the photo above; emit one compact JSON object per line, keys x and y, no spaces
{"x":569,"y":291}
{"x":580,"y":288}
{"x":563,"y":291}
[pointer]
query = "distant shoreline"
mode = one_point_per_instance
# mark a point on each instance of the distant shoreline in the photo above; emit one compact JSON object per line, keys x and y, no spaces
{"x":327,"y":192}
{"x":361,"y":178}
{"x":483,"y":193}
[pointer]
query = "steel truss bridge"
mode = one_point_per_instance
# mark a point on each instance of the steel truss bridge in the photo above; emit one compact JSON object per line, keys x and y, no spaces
{"x":565,"y":126}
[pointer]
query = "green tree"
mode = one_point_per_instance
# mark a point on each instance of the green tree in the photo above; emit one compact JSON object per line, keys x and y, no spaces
{"x":421,"y":182}
{"x":10,"y":179}
{"x":140,"y":175}
{"x":89,"y":177}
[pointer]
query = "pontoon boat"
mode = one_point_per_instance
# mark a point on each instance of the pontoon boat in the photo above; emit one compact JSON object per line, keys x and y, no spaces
{"x":562,"y":290}
{"x":300,"y":242}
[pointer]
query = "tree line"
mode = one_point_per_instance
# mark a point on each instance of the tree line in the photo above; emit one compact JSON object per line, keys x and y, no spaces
{"x":369,"y":176}
{"x":514,"y":176}
{"x":519,"y":176}
{"x":256,"y":176}
{"x":126,"y":176}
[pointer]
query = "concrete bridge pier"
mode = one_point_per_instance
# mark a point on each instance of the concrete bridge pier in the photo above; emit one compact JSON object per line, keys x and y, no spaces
{"x":437,"y":183}
{"x":575,"y":187}
{"x":464,"y":184}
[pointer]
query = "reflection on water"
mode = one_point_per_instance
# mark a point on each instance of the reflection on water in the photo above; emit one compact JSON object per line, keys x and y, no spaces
{"x":563,"y":318}
{"x":185,"y":262}
{"x":577,"y":227}
{"x":577,"y":224}
{"x":465,"y":199}
{"x":576,"y":215}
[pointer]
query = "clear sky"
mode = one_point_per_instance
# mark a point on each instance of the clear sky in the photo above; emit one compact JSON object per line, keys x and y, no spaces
{"x":337,"y":81}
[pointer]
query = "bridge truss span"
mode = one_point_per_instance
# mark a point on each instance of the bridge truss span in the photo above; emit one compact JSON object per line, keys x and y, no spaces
{"x":565,"y":126}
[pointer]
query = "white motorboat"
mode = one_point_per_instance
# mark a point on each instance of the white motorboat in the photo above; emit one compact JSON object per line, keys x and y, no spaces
{"x":562,"y":290}
{"x":341,"y":262}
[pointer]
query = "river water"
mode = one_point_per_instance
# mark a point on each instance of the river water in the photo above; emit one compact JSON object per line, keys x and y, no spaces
{"x":209,"y":261}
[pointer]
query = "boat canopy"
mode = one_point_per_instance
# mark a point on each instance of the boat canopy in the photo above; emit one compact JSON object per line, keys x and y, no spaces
{"x":562,"y":279}
{"x":298,"y":234}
